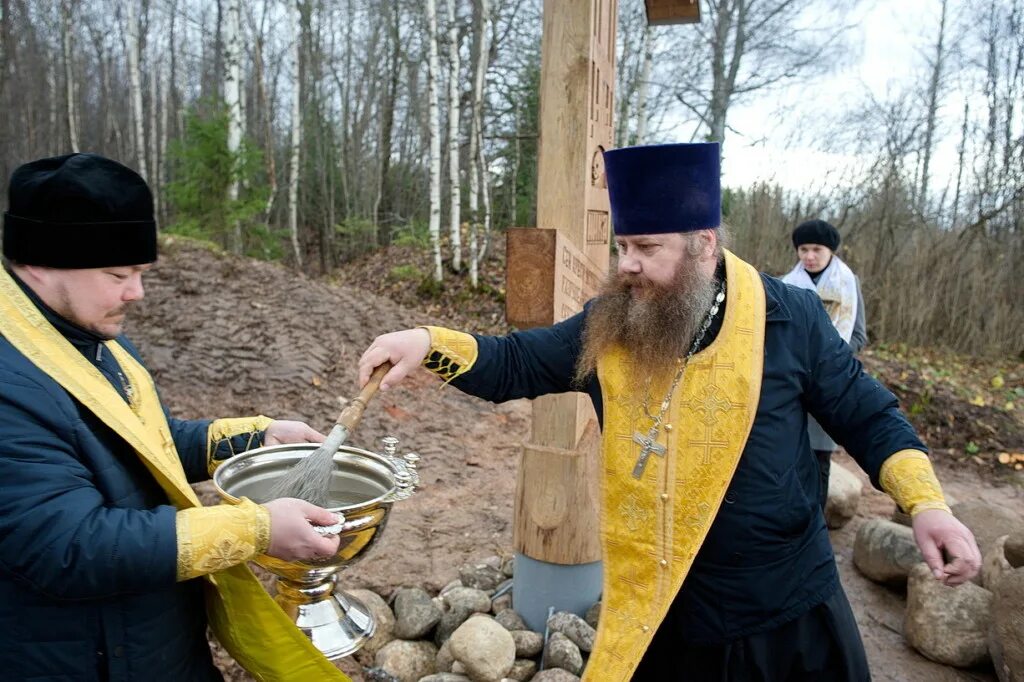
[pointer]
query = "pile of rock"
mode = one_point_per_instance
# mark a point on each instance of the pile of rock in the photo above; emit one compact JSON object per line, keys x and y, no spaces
{"x":469,"y":632}
{"x":960,"y":626}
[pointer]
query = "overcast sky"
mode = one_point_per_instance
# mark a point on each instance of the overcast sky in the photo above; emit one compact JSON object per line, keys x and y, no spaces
{"x":887,"y":48}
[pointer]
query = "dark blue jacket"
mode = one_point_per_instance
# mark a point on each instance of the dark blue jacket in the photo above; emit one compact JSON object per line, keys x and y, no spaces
{"x":767,"y":558}
{"x":88,"y":551}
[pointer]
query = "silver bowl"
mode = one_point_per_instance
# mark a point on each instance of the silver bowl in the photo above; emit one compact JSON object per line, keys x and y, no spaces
{"x":364,"y":486}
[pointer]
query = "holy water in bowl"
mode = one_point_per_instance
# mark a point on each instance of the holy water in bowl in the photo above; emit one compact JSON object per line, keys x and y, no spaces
{"x":353,"y":485}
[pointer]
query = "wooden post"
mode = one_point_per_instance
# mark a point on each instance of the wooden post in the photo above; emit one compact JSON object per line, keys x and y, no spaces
{"x":552,"y":271}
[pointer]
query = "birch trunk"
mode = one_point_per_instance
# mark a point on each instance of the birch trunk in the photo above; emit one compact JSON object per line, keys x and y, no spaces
{"x":67,"y":38}
{"x":296,"y":139}
{"x":933,"y":107}
{"x":434,"y":124}
{"x":165,"y":106}
{"x":233,"y":101}
{"x":51,"y":88}
{"x":642,"y":88}
{"x":478,"y":167}
{"x":135,"y":86}
{"x":454,"y":190}
{"x":267,"y":115}
{"x":154,"y":140}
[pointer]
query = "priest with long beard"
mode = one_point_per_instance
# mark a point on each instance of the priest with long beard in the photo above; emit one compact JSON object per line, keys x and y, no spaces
{"x":703,"y":373}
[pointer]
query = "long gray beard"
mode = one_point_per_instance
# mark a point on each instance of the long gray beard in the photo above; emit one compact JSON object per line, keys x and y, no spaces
{"x":655,"y":329}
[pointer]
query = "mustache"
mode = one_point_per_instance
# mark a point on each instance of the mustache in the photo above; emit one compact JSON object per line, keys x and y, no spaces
{"x":121,"y":310}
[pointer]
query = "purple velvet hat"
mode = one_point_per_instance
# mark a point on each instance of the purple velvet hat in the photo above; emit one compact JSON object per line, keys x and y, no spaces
{"x":664,"y":188}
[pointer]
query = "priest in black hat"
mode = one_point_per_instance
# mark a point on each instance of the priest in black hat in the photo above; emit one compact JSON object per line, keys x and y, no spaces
{"x":110,"y":567}
{"x":718,"y":564}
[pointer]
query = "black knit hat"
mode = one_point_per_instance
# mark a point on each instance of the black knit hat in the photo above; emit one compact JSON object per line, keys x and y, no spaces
{"x":79,"y":211}
{"x":816,"y":232}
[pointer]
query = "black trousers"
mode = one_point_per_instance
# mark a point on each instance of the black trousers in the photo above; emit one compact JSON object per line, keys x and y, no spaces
{"x":823,"y":645}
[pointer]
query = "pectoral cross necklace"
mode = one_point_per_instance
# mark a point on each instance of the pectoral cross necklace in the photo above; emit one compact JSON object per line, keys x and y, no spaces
{"x":649,"y":443}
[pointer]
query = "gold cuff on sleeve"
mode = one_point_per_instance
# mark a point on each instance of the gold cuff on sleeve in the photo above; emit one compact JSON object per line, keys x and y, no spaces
{"x":223,"y":430}
{"x":452,"y":353}
{"x":908,"y":477}
{"x":211,"y":539}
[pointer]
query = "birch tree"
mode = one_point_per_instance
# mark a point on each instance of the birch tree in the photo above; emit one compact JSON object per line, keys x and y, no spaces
{"x":434,"y":125}
{"x":934,"y":86}
{"x":477,"y":164}
{"x":454,"y":189}
{"x":233,"y":101}
{"x":133,"y":39}
{"x":67,"y":42}
{"x":643,"y":87}
{"x":295,"y":22}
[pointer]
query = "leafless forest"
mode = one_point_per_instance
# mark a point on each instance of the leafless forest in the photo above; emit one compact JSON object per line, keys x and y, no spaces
{"x":316,"y":131}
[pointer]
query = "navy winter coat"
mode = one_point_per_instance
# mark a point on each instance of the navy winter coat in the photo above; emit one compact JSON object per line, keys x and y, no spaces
{"x":88,"y":551}
{"x":767,"y":558}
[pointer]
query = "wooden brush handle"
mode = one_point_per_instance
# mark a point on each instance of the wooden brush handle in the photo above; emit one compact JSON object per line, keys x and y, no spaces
{"x":353,"y":412}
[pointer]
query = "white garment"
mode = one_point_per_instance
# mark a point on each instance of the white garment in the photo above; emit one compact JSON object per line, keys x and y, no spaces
{"x":837,"y":288}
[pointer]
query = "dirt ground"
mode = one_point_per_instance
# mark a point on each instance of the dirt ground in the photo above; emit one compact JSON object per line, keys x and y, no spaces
{"x":228,"y":337}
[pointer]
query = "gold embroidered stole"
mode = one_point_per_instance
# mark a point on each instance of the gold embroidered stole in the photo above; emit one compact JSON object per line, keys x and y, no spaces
{"x":652,"y":528}
{"x":246,"y":621}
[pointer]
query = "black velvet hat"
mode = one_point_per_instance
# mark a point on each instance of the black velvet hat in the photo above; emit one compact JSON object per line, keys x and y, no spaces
{"x":656,"y":189}
{"x":79,"y":211}
{"x":816,"y":232}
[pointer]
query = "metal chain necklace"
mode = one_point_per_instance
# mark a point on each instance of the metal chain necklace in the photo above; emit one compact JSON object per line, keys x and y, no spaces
{"x":649,"y":443}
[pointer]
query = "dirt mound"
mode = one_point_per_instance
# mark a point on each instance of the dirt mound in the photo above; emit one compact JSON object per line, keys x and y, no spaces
{"x":969,"y":411}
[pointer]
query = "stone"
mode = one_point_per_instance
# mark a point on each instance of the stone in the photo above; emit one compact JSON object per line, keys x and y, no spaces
{"x":444,"y":659}
{"x":575,"y":628}
{"x":592,"y":615}
{"x":555,"y":675}
{"x":385,"y":629}
{"x":481,"y":576}
{"x":468,"y":599}
{"x":1007,"y":636}
{"x":450,"y":586}
{"x":508,"y":566}
{"x":947,"y":624}
{"x":445,"y":677}
{"x":528,"y":643}
{"x":844,"y":490}
{"x":511,"y":620}
{"x":485,"y":649}
{"x":499,"y":604}
{"x":407,"y":661}
{"x":494,"y":561}
{"x":901,"y":517}
{"x":378,"y":675}
{"x":562,"y":653}
{"x":885,"y":551}
{"x":415,"y":613}
{"x":449,"y":623}
{"x":522,"y":670}
{"x":1014,"y":549}
{"x":994,"y":564}
{"x":988,"y":520}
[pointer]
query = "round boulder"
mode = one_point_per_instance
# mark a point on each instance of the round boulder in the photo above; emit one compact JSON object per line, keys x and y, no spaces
{"x":575,"y":628}
{"x":988,"y":520}
{"x":415,"y":613}
{"x":947,"y":624}
{"x":1007,"y":641}
{"x":385,"y":629}
{"x":562,"y":653}
{"x":485,"y":649}
{"x":885,"y":551}
{"x":407,"y":661}
{"x":844,"y":490}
